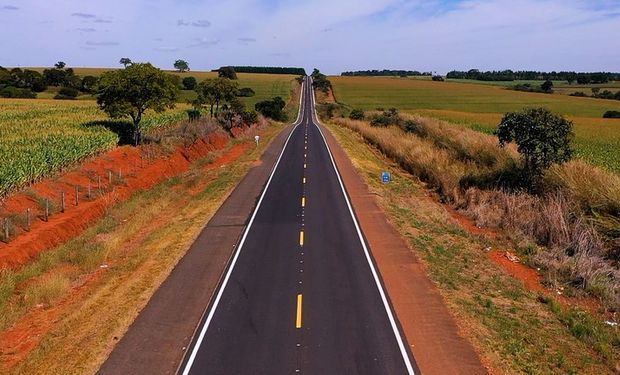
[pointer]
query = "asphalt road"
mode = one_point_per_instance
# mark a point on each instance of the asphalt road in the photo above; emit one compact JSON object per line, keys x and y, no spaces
{"x":302,"y":294}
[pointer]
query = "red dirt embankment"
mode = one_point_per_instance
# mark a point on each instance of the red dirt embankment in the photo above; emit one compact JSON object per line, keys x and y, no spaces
{"x":133,"y":169}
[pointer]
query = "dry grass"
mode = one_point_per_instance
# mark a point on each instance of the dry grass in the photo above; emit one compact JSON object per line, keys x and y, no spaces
{"x":577,"y":220}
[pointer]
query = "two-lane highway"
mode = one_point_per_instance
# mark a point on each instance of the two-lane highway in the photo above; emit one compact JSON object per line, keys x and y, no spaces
{"x":301,"y":294}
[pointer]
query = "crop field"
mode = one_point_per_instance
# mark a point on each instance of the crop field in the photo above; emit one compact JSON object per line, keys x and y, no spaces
{"x":481,"y":107}
{"x":41,"y":136}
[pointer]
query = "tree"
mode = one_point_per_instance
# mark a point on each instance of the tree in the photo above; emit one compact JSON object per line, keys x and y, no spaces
{"x":227,"y":72}
{"x":88,"y":83}
{"x":272,"y":108}
{"x":132,"y":91}
{"x":189,"y":83}
{"x":542,"y":137}
{"x":125,"y":61}
{"x":547,"y":86}
{"x":67,"y":93}
{"x":245,"y":92}
{"x":60,"y":65}
{"x":181,"y":65}
{"x":214,"y":92}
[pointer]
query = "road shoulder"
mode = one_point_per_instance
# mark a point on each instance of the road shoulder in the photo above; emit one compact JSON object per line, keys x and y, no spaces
{"x":157,"y":340}
{"x":430,"y":330}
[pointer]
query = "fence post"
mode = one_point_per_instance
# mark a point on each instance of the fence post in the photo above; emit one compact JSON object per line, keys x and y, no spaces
{"x":6,"y":229}
{"x":120,"y":174}
{"x":47,"y":210}
{"x":62,"y":201}
{"x":77,"y":195}
{"x":28,"y":219}
{"x":109,"y":177}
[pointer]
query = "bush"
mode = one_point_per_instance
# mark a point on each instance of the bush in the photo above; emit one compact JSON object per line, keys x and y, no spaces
{"x":88,"y":83}
{"x":387,"y":118}
{"x":13,"y":92}
{"x":327,"y":110}
{"x":612,"y":114}
{"x":193,"y":114}
{"x":189,"y":83}
{"x":249,"y":117}
{"x":245,"y":92}
{"x":356,"y":114}
{"x":227,"y":72}
{"x":580,"y":94}
{"x":438,"y":78}
{"x":272,"y":108}
{"x":542,"y":137}
{"x":67,"y":93}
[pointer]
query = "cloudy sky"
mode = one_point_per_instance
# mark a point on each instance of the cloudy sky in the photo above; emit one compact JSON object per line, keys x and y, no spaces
{"x":333,"y":35}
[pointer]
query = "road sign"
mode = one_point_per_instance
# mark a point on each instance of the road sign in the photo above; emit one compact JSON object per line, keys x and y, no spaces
{"x":386,"y":177}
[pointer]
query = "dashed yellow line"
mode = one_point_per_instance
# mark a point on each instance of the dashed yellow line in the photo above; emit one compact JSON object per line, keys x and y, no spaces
{"x":301,"y":238}
{"x":299,"y":307}
{"x":303,"y":201}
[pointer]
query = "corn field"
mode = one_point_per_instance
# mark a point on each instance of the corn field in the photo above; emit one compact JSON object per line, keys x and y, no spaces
{"x":38,"y":137}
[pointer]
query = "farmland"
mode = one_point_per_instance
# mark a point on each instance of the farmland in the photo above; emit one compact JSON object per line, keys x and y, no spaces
{"x":39,"y":136}
{"x":481,"y":107}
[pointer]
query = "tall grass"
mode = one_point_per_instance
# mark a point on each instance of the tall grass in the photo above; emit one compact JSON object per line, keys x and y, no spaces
{"x":576,"y":222}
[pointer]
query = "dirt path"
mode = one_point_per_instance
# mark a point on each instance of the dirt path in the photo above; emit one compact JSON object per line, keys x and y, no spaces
{"x":430,"y":330}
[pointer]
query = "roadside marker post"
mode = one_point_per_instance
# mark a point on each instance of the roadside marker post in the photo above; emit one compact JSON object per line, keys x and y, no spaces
{"x":386,"y":177}
{"x":257,"y":139}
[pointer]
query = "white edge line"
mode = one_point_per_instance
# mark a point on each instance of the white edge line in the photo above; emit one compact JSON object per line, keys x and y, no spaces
{"x":399,"y":339}
{"x":198,"y":343}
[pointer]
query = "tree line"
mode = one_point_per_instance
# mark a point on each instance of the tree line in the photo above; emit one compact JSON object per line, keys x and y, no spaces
{"x":509,"y":75}
{"x":265,"y":70}
{"x":385,"y":73}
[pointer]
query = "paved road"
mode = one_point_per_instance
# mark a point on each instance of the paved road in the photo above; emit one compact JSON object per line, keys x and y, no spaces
{"x":301,"y":295}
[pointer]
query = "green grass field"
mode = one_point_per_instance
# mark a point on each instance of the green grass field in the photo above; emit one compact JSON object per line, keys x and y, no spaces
{"x":481,"y":106}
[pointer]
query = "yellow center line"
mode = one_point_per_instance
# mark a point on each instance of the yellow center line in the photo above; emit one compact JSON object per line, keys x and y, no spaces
{"x":301,"y":238}
{"x":303,"y":201}
{"x":299,"y":306}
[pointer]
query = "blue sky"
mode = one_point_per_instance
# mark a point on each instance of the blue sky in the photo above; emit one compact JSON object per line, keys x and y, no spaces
{"x":333,"y":35}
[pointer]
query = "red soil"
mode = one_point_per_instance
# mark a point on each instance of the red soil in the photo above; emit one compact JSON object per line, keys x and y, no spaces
{"x":529,"y":276}
{"x":17,"y":342}
{"x":138,"y":172}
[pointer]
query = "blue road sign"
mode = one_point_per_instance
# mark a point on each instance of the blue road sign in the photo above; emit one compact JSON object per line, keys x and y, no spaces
{"x":386,"y":177}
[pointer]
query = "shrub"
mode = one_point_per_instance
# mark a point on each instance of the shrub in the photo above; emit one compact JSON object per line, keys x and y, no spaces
{"x":356,"y":114}
{"x":227,"y":72}
{"x":272,"y":108}
{"x":387,"y":118}
{"x":13,"y":92}
{"x":88,"y":83}
{"x":438,"y":78}
{"x":245,"y":92}
{"x":189,"y":83}
{"x":193,"y":114}
{"x":543,"y":139}
{"x":611,"y":114}
{"x":67,"y":93}
{"x":579,"y":94}
{"x":249,"y":117}
{"x":327,"y":110}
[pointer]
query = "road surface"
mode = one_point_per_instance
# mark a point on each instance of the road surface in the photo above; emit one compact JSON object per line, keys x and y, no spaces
{"x":301,"y":294}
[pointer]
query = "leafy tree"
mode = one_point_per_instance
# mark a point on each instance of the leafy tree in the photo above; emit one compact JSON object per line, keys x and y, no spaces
{"x":542,"y":137}
{"x":190,"y":83}
{"x":320,"y":81}
{"x":132,"y":91}
{"x":181,"y":65}
{"x":356,"y":114}
{"x":272,"y":108}
{"x":227,"y":72}
{"x":249,"y":117}
{"x":88,"y":83}
{"x":547,"y":86}
{"x":125,"y":61}
{"x":60,"y":65}
{"x":214,"y":92}
{"x":231,"y":111}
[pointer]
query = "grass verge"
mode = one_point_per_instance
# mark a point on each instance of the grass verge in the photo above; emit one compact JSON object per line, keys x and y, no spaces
{"x":515,"y":330}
